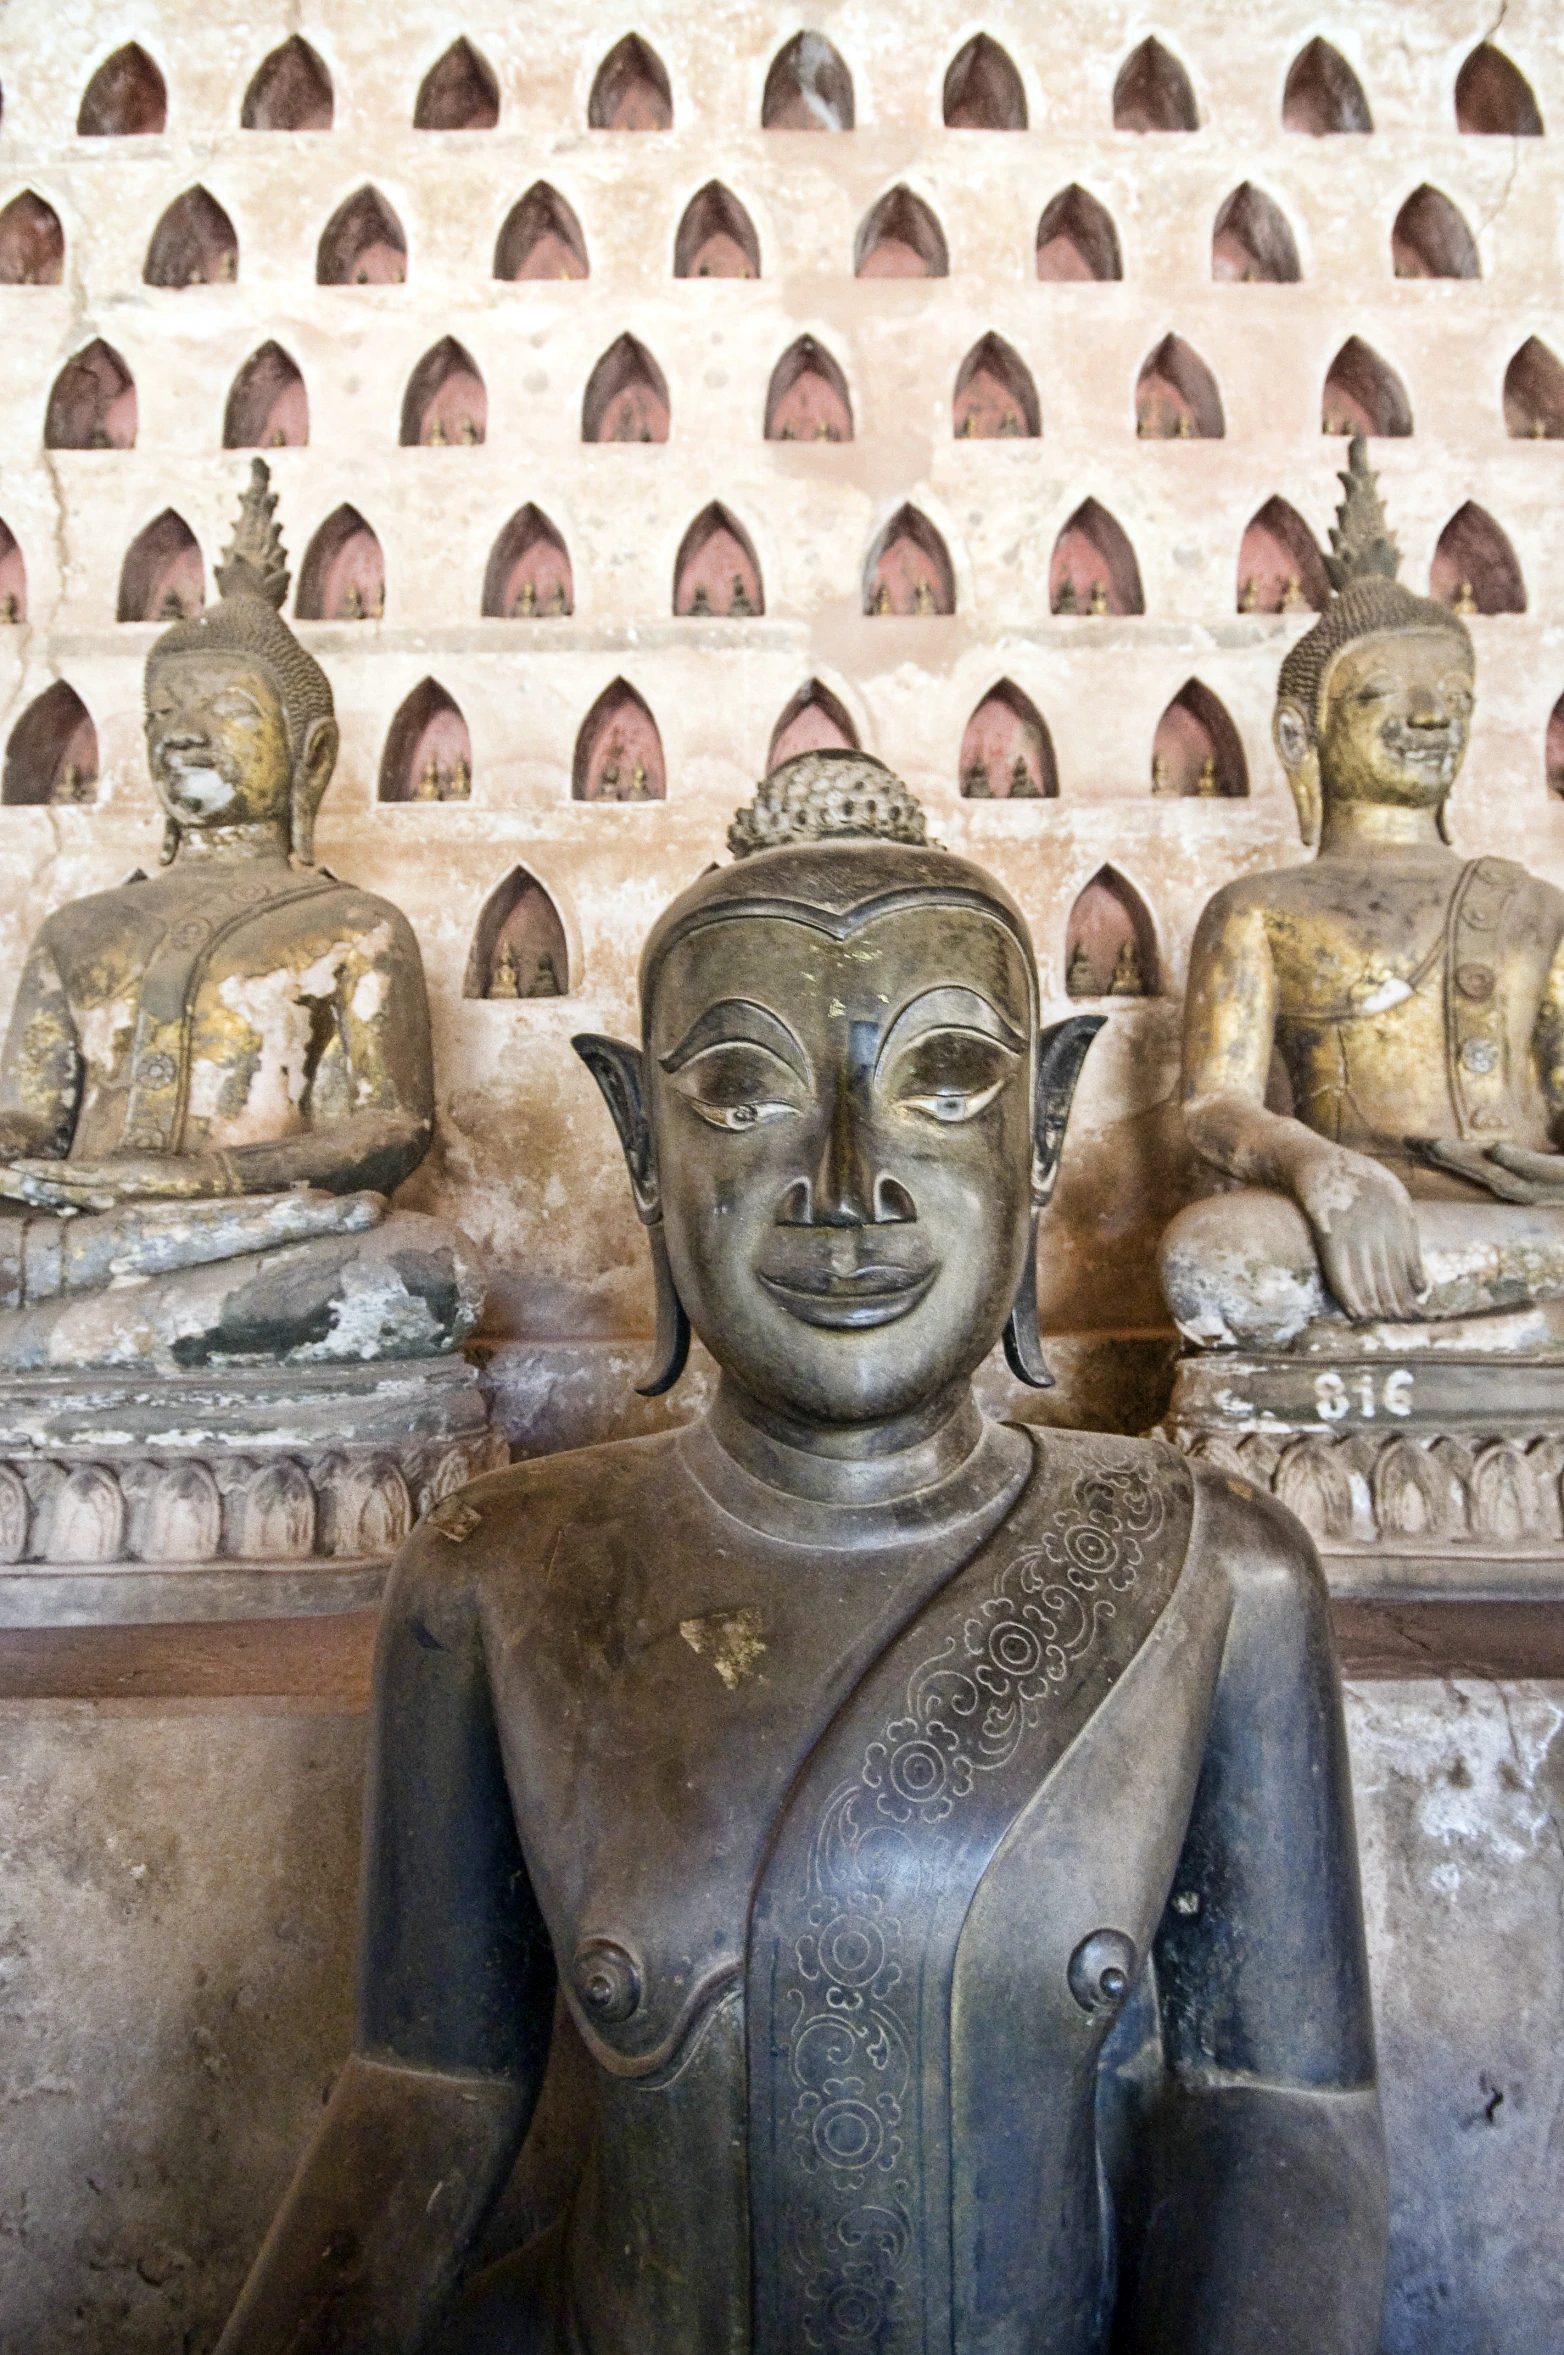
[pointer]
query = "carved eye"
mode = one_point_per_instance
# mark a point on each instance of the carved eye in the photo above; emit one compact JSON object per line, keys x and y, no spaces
{"x":950,"y":1076}
{"x":738,"y":1085}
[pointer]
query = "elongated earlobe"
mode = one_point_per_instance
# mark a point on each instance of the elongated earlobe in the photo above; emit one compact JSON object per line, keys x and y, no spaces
{"x":672,"y":1345}
{"x":1023,"y":1350}
{"x":621,"y":1076}
{"x":1061,"y":1051}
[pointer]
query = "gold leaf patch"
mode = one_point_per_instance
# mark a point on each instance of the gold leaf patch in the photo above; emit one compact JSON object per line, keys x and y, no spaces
{"x":730,"y":1640}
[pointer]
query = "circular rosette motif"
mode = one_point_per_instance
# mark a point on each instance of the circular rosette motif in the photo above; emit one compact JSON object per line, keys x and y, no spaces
{"x":920,"y":1769}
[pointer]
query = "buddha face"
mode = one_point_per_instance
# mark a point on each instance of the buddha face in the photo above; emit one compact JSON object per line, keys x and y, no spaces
{"x":842,"y":1133}
{"x":1398,"y":711}
{"x":217,"y":741}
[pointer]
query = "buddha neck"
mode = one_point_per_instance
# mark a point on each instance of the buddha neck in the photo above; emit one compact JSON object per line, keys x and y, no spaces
{"x":257,"y":838}
{"x":1370,"y":829}
{"x":917,"y":1475}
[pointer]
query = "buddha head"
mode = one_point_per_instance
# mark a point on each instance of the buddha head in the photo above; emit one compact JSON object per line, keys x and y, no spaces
{"x":1374,"y":704}
{"x":241,"y":729}
{"x":842,"y":1124}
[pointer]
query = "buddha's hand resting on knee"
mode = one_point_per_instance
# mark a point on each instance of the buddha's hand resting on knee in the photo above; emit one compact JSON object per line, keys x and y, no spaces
{"x":1365,"y":1231}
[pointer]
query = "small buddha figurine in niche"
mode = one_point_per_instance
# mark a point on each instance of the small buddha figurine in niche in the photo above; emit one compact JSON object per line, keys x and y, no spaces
{"x":505,"y":980}
{"x":974,"y":781}
{"x":844,"y":1758}
{"x":1099,"y":598}
{"x":1207,"y":784}
{"x":427,"y":785}
{"x":526,"y":605}
{"x":1415,"y":1000}
{"x":1128,"y":980}
{"x":1080,"y":980}
{"x":1023,"y":785}
{"x":1065,"y":600}
{"x":213,"y":1078}
{"x":457,"y":784}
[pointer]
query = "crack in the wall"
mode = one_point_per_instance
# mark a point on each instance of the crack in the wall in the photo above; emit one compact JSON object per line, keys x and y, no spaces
{"x":1506,"y":192}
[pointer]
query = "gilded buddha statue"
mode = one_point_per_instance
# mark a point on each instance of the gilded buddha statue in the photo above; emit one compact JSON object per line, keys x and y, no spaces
{"x":943,"y":1962}
{"x":1374,"y":1042}
{"x":214,"y":1077}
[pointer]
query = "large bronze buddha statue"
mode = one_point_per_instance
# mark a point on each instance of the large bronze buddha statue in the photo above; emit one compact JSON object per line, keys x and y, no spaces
{"x":213,"y":1077}
{"x":1374,"y":1042}
{"x":947,"y":1960}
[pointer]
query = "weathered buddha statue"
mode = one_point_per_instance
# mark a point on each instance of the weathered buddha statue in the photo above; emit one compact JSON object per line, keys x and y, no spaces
{"x":1374,"y":1042}
{"x":213,"y":1077}
{"x":945,"y":1961}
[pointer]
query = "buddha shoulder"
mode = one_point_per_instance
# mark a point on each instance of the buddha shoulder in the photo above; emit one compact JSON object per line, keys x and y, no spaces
{"x":504,"y":1529}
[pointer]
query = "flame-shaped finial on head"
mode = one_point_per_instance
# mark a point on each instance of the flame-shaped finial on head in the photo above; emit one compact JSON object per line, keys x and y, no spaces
{"x":1361,"y":542}
{"x":256,"y":563}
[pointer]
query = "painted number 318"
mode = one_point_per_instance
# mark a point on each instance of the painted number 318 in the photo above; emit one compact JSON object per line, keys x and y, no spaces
{"x":1335,"y":1398}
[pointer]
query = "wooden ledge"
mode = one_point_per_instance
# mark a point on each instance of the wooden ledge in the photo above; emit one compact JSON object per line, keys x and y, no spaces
{"x":327,"y":1659}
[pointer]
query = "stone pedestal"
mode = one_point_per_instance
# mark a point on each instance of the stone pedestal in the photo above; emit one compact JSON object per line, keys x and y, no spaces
{"x":1439,"y":1475}
{"x":227,"y":1494}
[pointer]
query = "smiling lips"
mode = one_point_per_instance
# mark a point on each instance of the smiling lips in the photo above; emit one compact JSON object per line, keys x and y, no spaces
{"x":851,"y":1303}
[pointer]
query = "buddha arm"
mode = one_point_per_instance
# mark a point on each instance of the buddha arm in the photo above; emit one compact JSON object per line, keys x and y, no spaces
{"x":40,"y":1068}
{"x":1229,"y":1031}
{"x":455,"y":2003}
{"x":1267,"y":2200}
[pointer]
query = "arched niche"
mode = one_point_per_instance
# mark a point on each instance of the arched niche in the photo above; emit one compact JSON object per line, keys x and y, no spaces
{"x":807,"y":399}
{"x":1252,"y":241}
{"x":343,"y":576}
{"x":428,"y":753}
{"x":194,"y":244}
{"x":1006,"y":752}
{"x":995,"y":398}
{"x":1431,"y":240}
{"x":1093,"y":568}
{"x":619,"y":754}
{"x":1534,"y":394}
{"x":528,"y":576}
{"x":362,"y":244}
{"x":1363,"y":394}
{"x":446,"y":405}
{"x":900,"y":238}
{"x":162,"y":577}
{"x":808,"y":88}
{"x":1153,"y":92}
{"x":626,"y":398}
{"x":126,"y":98}
{"x":909,"y":569}
{"x":267,"y":407}
{"x":51,"y":754}
{"x":717,"y":572}
{"x":630,"y":91}
{"x":813,"y":720}
{"x":32,"y":243}
{"x":541,"y":238}
{"x":1553,"y":749}
{"x":1196,"y":750}
{"x":1110,"y":943}
{"x":983,"y":91}
{"x":1076,"y":239}
{"x":518,"y":944}
{"x":289,"y":91}
{"x":1280,"y":568}
{"x":1475,"y":569}
{"x":458,"y":93}
{"x":1176,"y":397}
{"x":716,"y":237}
{"x":92,"y":403}
{"x":13,"y":578}
{"x":1322,"y":95}
{"x":1494,"y":98}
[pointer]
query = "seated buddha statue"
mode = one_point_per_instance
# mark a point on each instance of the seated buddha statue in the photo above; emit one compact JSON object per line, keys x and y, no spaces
{"x":1374,"y":1042}
{"x":856,"y":1801}
{"x":213,"y":1077}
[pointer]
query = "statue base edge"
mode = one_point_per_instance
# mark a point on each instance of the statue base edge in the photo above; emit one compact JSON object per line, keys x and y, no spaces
{"x":245,"y":1493}
{"x":1442,"y":1478}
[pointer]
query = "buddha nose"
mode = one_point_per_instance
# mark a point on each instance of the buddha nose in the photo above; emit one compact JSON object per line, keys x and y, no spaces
{"x":844,"y":1189}
{"x":1427,"y":709}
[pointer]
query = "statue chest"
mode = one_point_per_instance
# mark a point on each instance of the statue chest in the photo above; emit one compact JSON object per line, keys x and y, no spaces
{"x":204,"y":1024}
